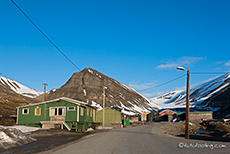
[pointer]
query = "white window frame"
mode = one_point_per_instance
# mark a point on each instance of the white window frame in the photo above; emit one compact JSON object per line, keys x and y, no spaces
{"x":23,"y":111}
{"x":57,"y":111}
{"x":78,"y":114}
{"x":70,"y":107}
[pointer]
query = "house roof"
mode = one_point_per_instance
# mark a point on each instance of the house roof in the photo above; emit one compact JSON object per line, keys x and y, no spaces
{"x":106,"y":108}
{"x":77,"y":102}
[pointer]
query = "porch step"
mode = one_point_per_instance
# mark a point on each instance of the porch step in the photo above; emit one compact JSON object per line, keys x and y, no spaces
{"x":65,"y":124}
{"x":50,"y":124}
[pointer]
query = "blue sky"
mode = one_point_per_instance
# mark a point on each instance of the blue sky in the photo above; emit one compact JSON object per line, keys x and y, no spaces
{"x":139,"y":43}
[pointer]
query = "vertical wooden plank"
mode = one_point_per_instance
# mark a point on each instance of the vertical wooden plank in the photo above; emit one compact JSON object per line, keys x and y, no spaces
{"x":78,"y":113}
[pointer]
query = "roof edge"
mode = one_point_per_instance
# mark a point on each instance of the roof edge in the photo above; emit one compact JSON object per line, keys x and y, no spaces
{"x":77,"y":102}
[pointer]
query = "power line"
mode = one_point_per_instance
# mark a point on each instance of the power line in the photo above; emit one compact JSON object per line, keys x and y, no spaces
{"x":163,"y":83}
{"x":208,"y":72}
{"x":44,"y":34}
{"x":181,"y":77}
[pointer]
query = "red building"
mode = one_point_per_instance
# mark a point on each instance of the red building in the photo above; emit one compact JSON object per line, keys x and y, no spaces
{"x":167,"y":115}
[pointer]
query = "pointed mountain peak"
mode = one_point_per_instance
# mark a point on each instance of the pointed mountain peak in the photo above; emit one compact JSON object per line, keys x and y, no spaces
{"x":87,"y":85}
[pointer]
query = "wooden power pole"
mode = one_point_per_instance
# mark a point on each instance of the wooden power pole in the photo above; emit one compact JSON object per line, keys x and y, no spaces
{"x":187,"y":103}
{"x":44,"y":93}
{"x":103,"y":120}
{"x":187,"y":108}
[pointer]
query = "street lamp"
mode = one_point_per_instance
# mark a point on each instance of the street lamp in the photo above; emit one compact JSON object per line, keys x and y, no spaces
{"x":187,"y":104}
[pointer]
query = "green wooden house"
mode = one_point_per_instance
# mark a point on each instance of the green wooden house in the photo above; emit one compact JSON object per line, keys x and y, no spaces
{"x":62,"y":112}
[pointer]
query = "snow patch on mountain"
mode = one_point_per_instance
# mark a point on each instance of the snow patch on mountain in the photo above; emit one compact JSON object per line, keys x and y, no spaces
{"x":164,"y":99}
{"x":152,"y":104}
{"x":19,"y":88}
{"x":199,"y":93}
{"x":98,"y":106}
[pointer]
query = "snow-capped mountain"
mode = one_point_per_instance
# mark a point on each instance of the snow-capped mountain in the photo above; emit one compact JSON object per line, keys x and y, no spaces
{"x":18,"y":88}
{"x":163,"y":99}
{"x":87,"y":85}
{"x":213,"y":94}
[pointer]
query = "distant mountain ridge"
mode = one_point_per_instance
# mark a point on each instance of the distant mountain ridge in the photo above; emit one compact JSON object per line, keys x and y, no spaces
{"x":213,"y":95}
{"x":18,"y":88}
{"x":87,"y":85}
{"x":13,"y":94}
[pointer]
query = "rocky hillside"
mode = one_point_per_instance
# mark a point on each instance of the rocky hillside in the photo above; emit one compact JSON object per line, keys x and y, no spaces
{"x":88,"y":85}
{"x":11,"y":85}
{"x":13,"y":94}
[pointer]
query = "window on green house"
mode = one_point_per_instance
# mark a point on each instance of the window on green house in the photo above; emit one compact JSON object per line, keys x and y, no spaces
{"x":71,"y":108}
{"x":87,"y":111}
{"x":94,"y":118}
{"x":57,"y":111}
{"x":37,"y":111}
{"x":25,"y":111}
{"x":82,"y":111}
{"x":91,"y":113}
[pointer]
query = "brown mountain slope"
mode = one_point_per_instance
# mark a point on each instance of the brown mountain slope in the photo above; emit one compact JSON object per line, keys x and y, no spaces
{"x":88,"y":84}
{"x":9,"y":100}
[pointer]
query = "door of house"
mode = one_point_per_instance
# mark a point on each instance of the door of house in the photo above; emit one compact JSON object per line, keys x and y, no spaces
{"x":57,"y":113}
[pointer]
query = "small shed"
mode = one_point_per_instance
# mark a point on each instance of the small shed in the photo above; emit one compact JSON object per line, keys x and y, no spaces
{"x":62,"y":112}
{"x":112,"y":117}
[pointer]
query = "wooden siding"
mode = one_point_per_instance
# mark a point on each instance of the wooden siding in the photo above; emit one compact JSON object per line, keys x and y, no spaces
{"x":70,"y":116}
{"x":111,"y":116}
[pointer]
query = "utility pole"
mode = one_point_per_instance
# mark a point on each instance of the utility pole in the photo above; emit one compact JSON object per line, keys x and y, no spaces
{"x":103,"y":120}
{"x":44,"y":93}
{"x":142,"y":115}
{"x":187,"y":103}
{"x":187,"y":108}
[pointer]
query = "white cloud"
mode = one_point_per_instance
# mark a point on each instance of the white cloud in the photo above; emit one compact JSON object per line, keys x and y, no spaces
{"x":140,"y":86}
{"x":149,"y":96}
{"x":162,"y":66}
{"x":227,"y":63}
{"x":182,"y":61}
{"x":223,"y":63}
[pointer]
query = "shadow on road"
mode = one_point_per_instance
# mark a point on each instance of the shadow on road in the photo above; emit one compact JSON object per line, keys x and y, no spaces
{"x":206,"y":138}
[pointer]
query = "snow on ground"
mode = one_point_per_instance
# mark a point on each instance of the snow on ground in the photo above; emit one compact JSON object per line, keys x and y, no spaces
{"x":24,"y":129}
{"x":94,"y":104}
{"x":13,"y":136}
